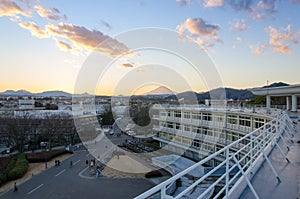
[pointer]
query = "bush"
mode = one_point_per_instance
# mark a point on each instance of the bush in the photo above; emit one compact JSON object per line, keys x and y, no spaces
{"x":3,"y":178}
{"x":45,"y":155}
{"x":20,"y":168}
{"x":15,"y":169}
{"x":4,"y":161}
{"x":152,"y":174}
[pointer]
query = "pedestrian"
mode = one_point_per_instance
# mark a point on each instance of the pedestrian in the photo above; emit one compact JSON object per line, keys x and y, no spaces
{"x":71,"y":163}
{"x":56,"y":163}
{"x":87,"y":162}
{"x":15,"y":187}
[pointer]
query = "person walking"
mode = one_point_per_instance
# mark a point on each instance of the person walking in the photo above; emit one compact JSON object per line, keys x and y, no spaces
{"x":15,"y":187}
{"x":71,"y":163}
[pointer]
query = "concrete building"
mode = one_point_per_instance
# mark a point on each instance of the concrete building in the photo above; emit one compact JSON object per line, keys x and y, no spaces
{"x":26,"y":104}
{"x":196,"y":132}
{"x":291,"y":92}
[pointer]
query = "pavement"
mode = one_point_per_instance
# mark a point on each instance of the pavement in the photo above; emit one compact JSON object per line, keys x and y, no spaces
{"x":65,"y":182}
{"x":265,"y":182}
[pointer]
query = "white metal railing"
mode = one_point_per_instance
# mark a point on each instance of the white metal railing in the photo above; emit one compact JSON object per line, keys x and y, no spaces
{"x":245,"y":158}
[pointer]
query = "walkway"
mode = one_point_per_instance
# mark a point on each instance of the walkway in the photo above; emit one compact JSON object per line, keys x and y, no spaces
{"x":265,"y":182}
{"x":64,"y":182}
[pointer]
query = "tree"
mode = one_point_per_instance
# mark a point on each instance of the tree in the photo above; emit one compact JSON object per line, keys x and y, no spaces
{"x":17,"y":129}
{"x":53,"y":125}
{"x":38,"y":104}
{"x":107,"y":118}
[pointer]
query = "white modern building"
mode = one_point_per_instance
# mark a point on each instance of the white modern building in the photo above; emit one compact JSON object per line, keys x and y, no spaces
{"x":197,"y":132}
{"x":291,"y":92}
{"x":26,"y":104}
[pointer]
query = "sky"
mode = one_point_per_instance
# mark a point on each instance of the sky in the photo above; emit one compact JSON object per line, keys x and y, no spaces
{"x":47,"y":45}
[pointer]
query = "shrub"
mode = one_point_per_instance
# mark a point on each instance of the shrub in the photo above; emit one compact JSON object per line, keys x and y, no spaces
{"x":3,"y":178}
{"x":4,"y":161}
{"x":152,"y":174}
{"x":15,"y":169}
{"x":45,"y":155}
{"x":20,"y":168}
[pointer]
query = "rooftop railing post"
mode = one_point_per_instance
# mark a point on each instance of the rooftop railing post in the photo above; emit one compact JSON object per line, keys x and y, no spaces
{"x":227,"y":172}
{"x":251,"y":153}
{"x":245,"y":177}
{"x":262,"y":150}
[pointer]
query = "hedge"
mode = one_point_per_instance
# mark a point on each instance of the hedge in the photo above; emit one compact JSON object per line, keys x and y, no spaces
{"x":152,"y":174}
{"x":4,"y":161}
{"x":16,"y":168}
{"x":45,"y":155}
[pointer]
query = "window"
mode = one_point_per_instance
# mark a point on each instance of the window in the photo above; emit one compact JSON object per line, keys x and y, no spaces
{"x":259,"y":122}
{"x":177,"y":126}
{"x":245,"y":121}
{"x":187,"y":115}
{"x":194,"y":129}
{"x":232,"y":119}
{"x":169,"y":125}
{"x":163,"y":114}
{"x":163,"y":135}
{"x":186,"y":140}
{"x":162,"y":124}
{"x":219,"y":118}
{"x":196,"y":144}
{"x":178,"y":138}
{"x":207,"y":116}
{"x":196,"y":116}
{"x":204,"y":130}
{"x":177,"y":114}
{"x":187,"y":128}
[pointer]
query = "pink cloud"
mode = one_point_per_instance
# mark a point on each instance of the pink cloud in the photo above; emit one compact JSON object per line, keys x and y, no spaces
{"x":200,"y":30}
{"x":10,"y":8}
{"x":34,"y":29}
{"x":50,"y":14}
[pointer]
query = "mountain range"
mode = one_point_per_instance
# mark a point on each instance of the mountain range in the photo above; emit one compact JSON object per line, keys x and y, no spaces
{"x":42,"y":94}
{"x":163,"y":92}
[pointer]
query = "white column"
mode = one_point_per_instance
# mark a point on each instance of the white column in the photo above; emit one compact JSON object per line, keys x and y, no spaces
{"x":294,"y":103}
{"x":288,"y":103}
{"x":268,"y":102}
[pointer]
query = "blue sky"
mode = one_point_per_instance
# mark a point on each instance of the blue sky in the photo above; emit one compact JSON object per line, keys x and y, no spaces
{"x":45,"y":43}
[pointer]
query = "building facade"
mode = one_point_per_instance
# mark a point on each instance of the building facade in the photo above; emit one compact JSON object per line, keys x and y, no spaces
{"x":198,"y":132}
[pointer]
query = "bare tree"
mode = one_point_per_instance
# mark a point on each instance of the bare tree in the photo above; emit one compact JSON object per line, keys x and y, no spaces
{"x":53,"y":125}
{"x":17,"y":129}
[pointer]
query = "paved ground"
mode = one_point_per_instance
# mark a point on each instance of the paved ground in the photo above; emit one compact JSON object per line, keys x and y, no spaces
{"x":65,"y":182}
{"x":266,"y":184}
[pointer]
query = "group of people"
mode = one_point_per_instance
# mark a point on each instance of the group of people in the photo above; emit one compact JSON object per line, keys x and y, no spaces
{"x":57,"y":163}
{"x":90,"y":163}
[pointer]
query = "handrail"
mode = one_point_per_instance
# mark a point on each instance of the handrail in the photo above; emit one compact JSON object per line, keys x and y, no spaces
{"x":260,"y":140}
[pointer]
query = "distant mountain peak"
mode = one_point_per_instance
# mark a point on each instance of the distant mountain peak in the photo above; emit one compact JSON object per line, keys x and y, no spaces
{"x":161,"y":90}
{"x":276,"y":84}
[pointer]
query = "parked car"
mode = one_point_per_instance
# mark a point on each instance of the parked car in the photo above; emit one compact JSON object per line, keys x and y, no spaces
{"x":6,"y":151}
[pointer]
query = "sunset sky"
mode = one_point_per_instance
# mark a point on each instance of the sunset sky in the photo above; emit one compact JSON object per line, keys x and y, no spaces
{"x":44,"y":44}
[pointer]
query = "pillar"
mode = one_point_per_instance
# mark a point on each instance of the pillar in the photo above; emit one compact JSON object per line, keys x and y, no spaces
{"x":268,"y":102}
{"x":294,"y":103}
{"x":288,"y":103}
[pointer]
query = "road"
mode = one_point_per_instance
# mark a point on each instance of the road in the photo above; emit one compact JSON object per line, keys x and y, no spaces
{"x":65,"y":182}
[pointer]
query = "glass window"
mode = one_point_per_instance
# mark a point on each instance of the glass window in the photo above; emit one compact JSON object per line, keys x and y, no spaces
{"x":187,"y":115}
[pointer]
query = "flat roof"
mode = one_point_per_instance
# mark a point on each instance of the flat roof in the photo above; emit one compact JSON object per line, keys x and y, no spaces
{"x":278,"y":91}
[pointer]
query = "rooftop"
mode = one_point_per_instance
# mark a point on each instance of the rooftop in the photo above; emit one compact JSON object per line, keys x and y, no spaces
{"x":264,"y":181}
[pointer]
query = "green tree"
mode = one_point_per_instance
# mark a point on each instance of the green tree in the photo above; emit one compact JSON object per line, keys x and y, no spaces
{"x":107,"y":118}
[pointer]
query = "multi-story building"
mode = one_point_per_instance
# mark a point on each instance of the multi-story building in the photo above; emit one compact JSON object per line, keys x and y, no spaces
{"x":197,"y":132}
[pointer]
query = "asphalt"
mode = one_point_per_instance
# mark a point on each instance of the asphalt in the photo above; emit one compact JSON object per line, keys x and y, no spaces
{"x":65,"y":182}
